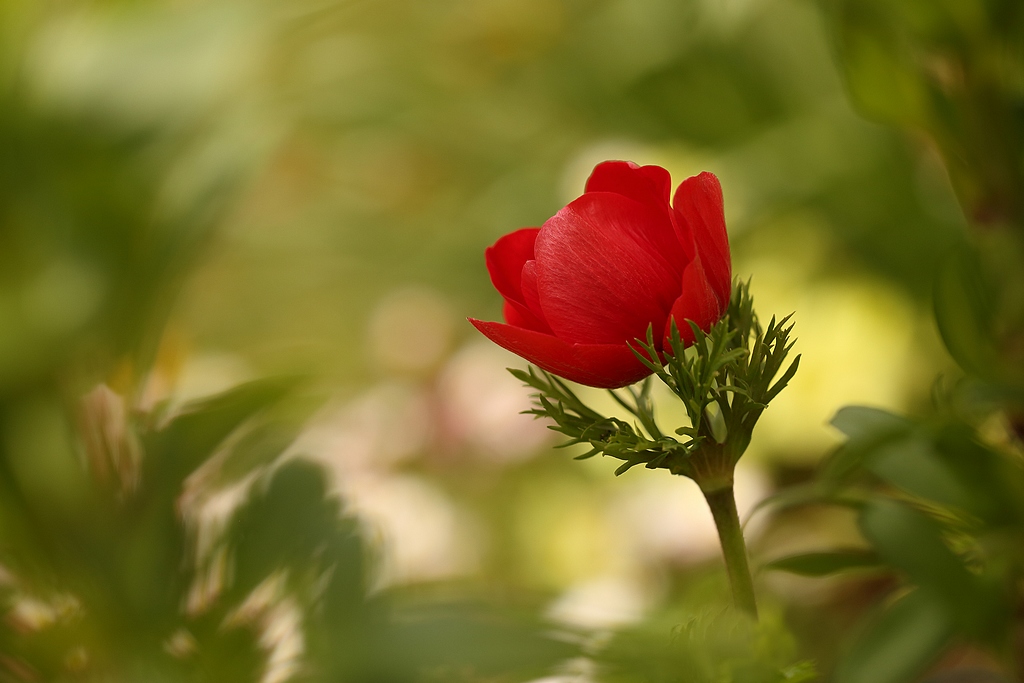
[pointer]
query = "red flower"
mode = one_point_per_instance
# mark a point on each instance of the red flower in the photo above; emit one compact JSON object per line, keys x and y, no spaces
{"x":596,"y":274}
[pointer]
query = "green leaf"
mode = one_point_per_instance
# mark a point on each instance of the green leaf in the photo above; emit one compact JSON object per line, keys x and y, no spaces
{"x":912,"y":542}
{"x":963,"y":312}
{"x":867,"y":429}
{"x":898,"y":644}
{"x":825,"y":563}
{"x":994,"y":484}
{"x":910,"y":464}
{"x":943,"y":463}
{"x":783,"y":381}
{"x":286,"y":524}
{"x":226,"y":653}
{"x":864,"y":422}
{"x":806,"y":494}
{"x":196,"y":432}
{"x":257,"y":447}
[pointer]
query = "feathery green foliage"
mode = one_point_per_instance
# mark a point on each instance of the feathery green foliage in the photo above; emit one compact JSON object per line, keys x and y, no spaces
{"x":725,"y":379}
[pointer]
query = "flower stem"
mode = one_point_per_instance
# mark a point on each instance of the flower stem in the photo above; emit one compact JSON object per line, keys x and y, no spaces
{"x":727,"y":520}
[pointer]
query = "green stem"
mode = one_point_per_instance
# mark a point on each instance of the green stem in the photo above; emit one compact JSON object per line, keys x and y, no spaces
{"x":727,"y":520}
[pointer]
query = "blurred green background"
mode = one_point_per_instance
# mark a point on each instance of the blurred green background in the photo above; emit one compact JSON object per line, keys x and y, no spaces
{"x":199,"y":195}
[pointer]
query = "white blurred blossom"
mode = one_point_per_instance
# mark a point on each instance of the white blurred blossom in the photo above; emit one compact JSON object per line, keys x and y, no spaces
{"x":421,"y":532}
{"x":481,"y":404}
{"x":603,"y":603}
{"x":385,"y":425}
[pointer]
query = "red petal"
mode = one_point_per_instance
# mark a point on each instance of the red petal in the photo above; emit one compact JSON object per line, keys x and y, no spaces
{"x":529,"y":284}
{"x":698,"y":205}
{"x":600,"y":278}
{"x":606,"y":366}
{"x":698,"y":303}
{"x":505,"y":261}
{"x":518,"y":315}
{"x":528,"y":313}
{"x":650,"y":185}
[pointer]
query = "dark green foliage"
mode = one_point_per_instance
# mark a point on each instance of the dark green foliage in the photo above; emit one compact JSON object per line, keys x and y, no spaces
{"x":898,"y":643}
{"x":823,"y":564}
{"x":121,"y":582}
{"x":964,"y":312}
{"x":950,"y":69}
{"x":941,"y":510}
